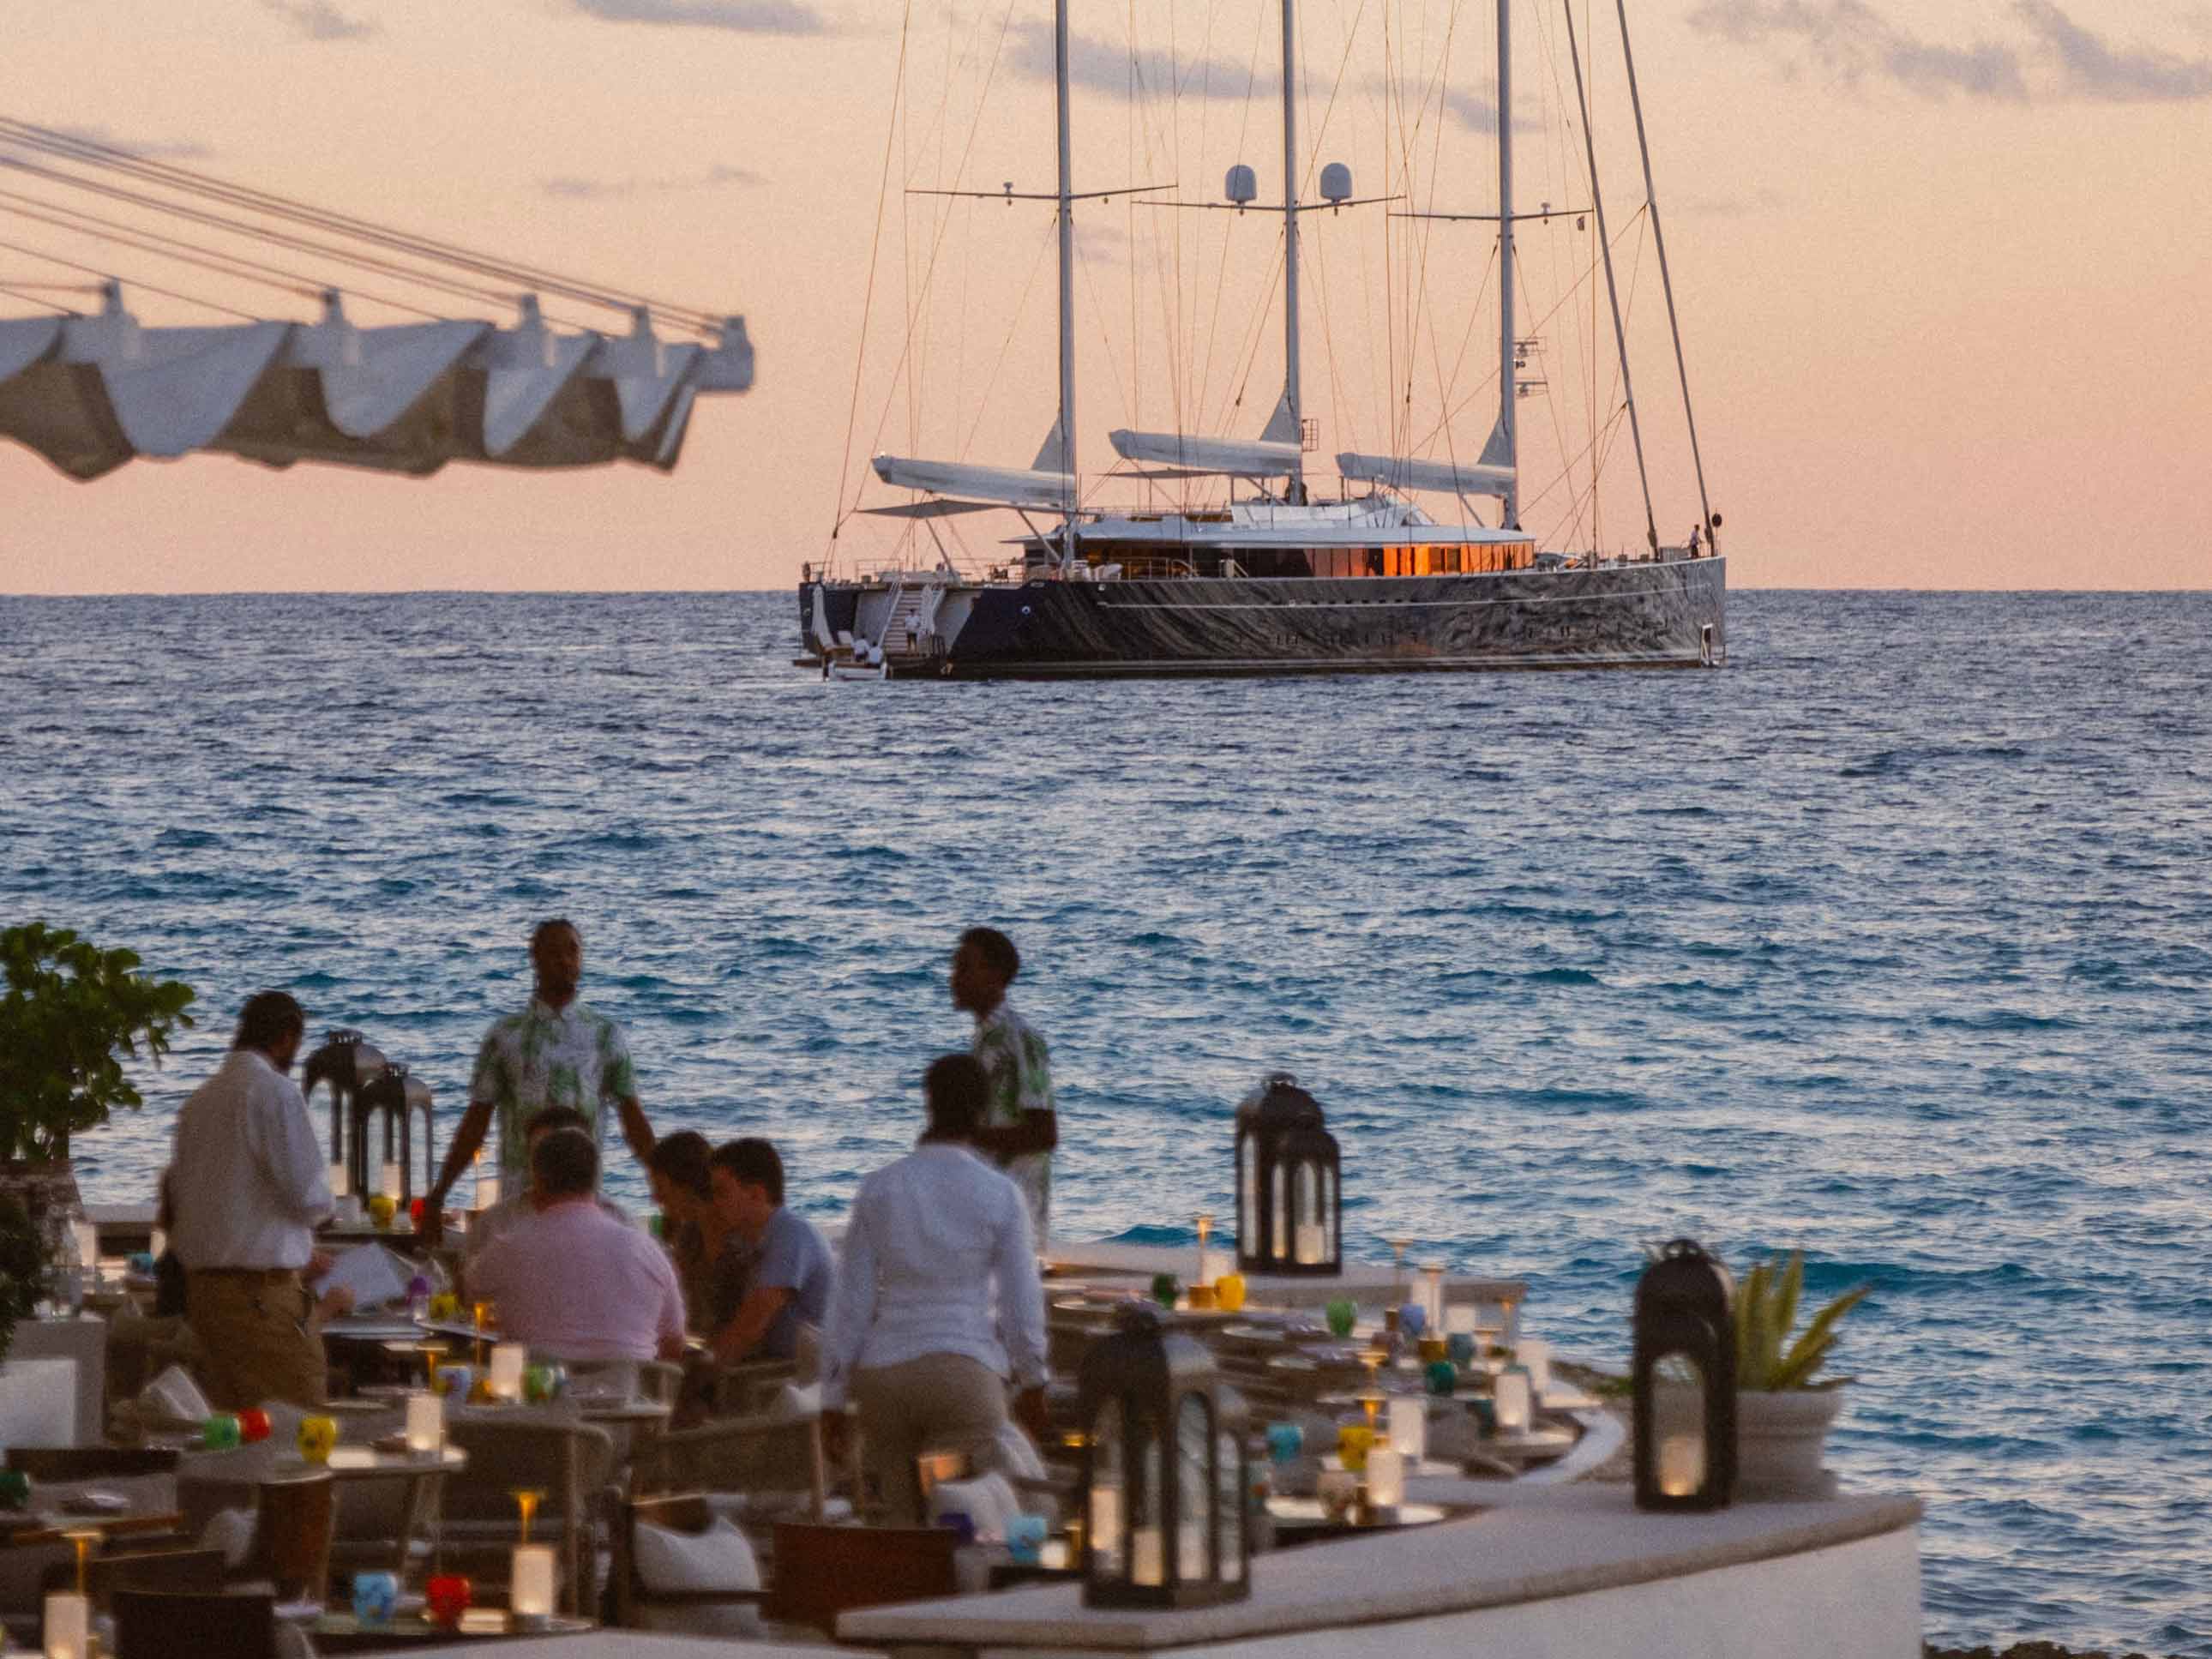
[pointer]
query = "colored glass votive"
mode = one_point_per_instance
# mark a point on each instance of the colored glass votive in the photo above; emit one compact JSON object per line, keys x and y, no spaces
{"x":1440,"y":1378}
{"x":1165,"y":1289}
{"x":375,"y":1597}
{"x":253,"y":1425}
{"x":220,"y":1432}
{"x":1342,"y":1314}
{"x":1284,"y":1441}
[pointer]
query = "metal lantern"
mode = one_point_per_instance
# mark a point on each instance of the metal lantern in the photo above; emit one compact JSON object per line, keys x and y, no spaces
{"x":347,"y":1063}
{"x":398,"y":1096}
{"x":1290,"y":1200}
{"x":1684,"y":1377}
{"x":1164,"y":1480}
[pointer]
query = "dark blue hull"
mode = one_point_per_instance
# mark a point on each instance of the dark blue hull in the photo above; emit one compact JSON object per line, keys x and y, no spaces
{"x":1644,"y":615}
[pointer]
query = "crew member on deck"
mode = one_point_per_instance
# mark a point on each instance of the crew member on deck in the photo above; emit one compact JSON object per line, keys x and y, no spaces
{"x":249,"y":1185}
{"x":1020,"y":1126}
{"x":556,"y":1052}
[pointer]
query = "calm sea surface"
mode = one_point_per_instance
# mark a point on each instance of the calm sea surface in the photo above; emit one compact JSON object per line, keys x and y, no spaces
{"x":1890,"y":942}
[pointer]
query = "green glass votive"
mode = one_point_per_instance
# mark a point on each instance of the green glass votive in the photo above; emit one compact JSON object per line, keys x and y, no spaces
{"x":1442,"y":1377}
{"x":1343,"y":1313}
{"x":1165,"y":1289}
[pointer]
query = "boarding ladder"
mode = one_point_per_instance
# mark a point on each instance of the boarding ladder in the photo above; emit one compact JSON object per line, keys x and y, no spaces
{"x":911,"y":624}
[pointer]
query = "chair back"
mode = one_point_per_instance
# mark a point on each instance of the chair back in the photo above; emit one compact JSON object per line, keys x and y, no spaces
{"x":571,"y":1462}
{"x":293,"y":1533}
{"x":150,"y":1570}
{"x":171,"y":1624}
{"x":636,"y":1604}
{"x":44,"y":1463}
{"x":823,"y":1570}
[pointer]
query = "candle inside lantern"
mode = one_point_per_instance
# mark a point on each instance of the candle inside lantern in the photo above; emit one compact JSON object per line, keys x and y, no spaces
{"x":1432,"y":1296}
{"x":426,"y":1422}
{"x":1533,"y":1355}
{"x":1386,"y":1478}
{"x":1308,"y":1247}
{"x":1409,"y":1427}
{"x":68,"y":1629}
{"x":507,"y":1360}
{"x":339,"y":1185}
{"x":1681,"y":1464}
{"x":1190,"y":1553}
{"x":1512,"y":1397}
{"x":86,"y":1238}
{"x":529,"y":1592}
{"x":1147,"y":1563}
{"x":387,"y":1180}
{"x":1459,"y":1319}
{"x":487,"y":1188}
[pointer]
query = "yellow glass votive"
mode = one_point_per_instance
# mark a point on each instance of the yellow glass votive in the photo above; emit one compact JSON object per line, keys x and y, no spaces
{"x":1229,"y":1292}
{"x":1353,"y":1442}
{"x":1202,"y":1298}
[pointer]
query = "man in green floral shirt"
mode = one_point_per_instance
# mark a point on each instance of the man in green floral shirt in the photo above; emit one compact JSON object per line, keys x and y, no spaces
{"x":556,"y":1052}
{"x":1021,"y":1126}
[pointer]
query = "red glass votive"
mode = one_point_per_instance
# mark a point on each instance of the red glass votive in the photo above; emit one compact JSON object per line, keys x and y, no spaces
{"x":447,"y":1597}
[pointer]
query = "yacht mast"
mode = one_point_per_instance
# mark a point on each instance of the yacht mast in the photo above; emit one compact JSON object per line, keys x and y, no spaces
{"x":1293,"y":399}
{"x":1067,"y":260}
{"x":1507,"y":434}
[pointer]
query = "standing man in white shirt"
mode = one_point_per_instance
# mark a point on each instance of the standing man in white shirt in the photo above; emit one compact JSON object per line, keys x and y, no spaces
{"x":938,"y":1303}
{"x":556,"y":1052}
{"x":1021,"y":1122}
{"x":250,"y":1185}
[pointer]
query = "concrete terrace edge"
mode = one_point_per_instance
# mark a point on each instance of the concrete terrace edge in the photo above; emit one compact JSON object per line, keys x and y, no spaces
{"x":1402,"y":1584}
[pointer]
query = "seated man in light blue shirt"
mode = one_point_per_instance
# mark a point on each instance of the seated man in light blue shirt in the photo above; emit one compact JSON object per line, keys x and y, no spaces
{"x":792,"y":1272}
{"x":938,"y":1301}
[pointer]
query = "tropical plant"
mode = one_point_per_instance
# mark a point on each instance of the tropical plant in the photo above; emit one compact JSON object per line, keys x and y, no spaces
{"x":22,"y":1269}
{"x":1766,"y":1309}
{"x":72,"y":1013}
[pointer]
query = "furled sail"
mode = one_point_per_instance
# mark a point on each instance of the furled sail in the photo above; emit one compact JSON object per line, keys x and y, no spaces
{"x":89,"y":393}
{"x":1240,"y":457}
{"x":1401,"y":472}
{"x":1008,"y":486}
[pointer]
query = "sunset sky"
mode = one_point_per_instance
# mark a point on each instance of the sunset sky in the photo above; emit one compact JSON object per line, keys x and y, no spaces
{"x":1943,"y":266}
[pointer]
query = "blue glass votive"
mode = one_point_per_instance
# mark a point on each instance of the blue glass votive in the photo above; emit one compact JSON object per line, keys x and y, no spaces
{"x":1486,"y":1414}
{"x":1413,"y":1320}
{"x":1284,"y":1441}
{"x":1441,"y":1377}
{"x":375,"y":1597}
{"x":1025,"y":1536}
{"x":1461,"y":1346}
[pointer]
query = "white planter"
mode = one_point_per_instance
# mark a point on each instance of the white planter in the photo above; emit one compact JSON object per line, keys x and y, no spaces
{"x":1780,"y":1438}
{"x":38,"y":1402}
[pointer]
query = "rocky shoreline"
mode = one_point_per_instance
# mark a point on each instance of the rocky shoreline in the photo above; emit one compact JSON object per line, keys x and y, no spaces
{"x":2025,"y":1650}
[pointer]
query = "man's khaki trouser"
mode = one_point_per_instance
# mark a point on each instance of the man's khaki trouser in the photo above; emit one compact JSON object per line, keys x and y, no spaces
{"x":253,"y":1330}
{"x":939,"y":1402}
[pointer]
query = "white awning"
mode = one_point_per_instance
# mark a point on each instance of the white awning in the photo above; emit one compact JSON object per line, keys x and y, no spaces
{"x":1401,"y":472}
{"x":1007,"y":486}
{"x":89,"y":393}
{"x":1240,"y":458}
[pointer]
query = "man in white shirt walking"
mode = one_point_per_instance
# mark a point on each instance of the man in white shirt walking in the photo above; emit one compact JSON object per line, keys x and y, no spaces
{"x":250,"y":1185}
{"x":938,"y":1301}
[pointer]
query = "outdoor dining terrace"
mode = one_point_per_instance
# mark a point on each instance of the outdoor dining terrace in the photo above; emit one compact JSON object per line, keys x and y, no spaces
{"x":1411,"y":1459}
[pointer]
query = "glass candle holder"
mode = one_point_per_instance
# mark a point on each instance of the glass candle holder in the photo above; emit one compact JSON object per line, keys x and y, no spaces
{"x":86,"y":1239}
{"x":1386,"y":1478}
{"x":1459,"y":1319}
{"x":66,"y":1632}
{"x":1371,"y":1403}
{"x":1409,"y":1427}
{"x":529,"y":1592}
{"x":487,"y":1188}
{"x":1203,"y":1222}
{"x":426,"y":1423}
{"x":1354,"y":1441}
{"x":341,"y":1184}
{"x":1432,"y":1294}
{"x":1510,"y":1391}
{"x":1229,"y":1292}
{"x":507,"y":1361}
{"x":387,"y":1180}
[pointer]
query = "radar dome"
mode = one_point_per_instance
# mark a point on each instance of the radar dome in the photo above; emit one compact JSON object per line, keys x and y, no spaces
{"x":1241,"y":185}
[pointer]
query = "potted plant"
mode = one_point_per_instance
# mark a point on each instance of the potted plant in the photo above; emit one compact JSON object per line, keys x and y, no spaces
{"x":71,"y":1013}
{"x":1783,"y":1405}
{"x":22,"y":1270}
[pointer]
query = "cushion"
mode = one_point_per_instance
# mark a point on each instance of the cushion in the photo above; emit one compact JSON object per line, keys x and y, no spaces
{"x":793,"y":1402}
{"x":1015,"y":1455}
{"x":719,"y":1559}
{"x":988,"y":1501}
{"x":231,"y":1531}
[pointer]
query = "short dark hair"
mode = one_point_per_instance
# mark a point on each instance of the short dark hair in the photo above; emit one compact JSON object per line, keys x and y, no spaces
{"x":997,"y":951}
{"x":552,"y":924}
{"x":682,"y":1158}
{"x":564,"y":1164}
{"x":546,"y":1119}
{"x":957,"y":1091}
{"x":267,"y":1019}
{"x":752,"y":1160}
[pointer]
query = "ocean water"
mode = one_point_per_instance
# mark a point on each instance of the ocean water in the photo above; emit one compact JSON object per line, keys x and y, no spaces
{"x":1890,"y":942}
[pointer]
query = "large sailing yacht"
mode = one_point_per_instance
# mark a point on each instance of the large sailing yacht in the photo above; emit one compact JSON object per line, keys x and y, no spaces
{"x":1279,"y":578}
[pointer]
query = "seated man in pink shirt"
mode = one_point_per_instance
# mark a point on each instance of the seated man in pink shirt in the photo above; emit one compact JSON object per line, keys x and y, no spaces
{"x":572,"y":1281}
